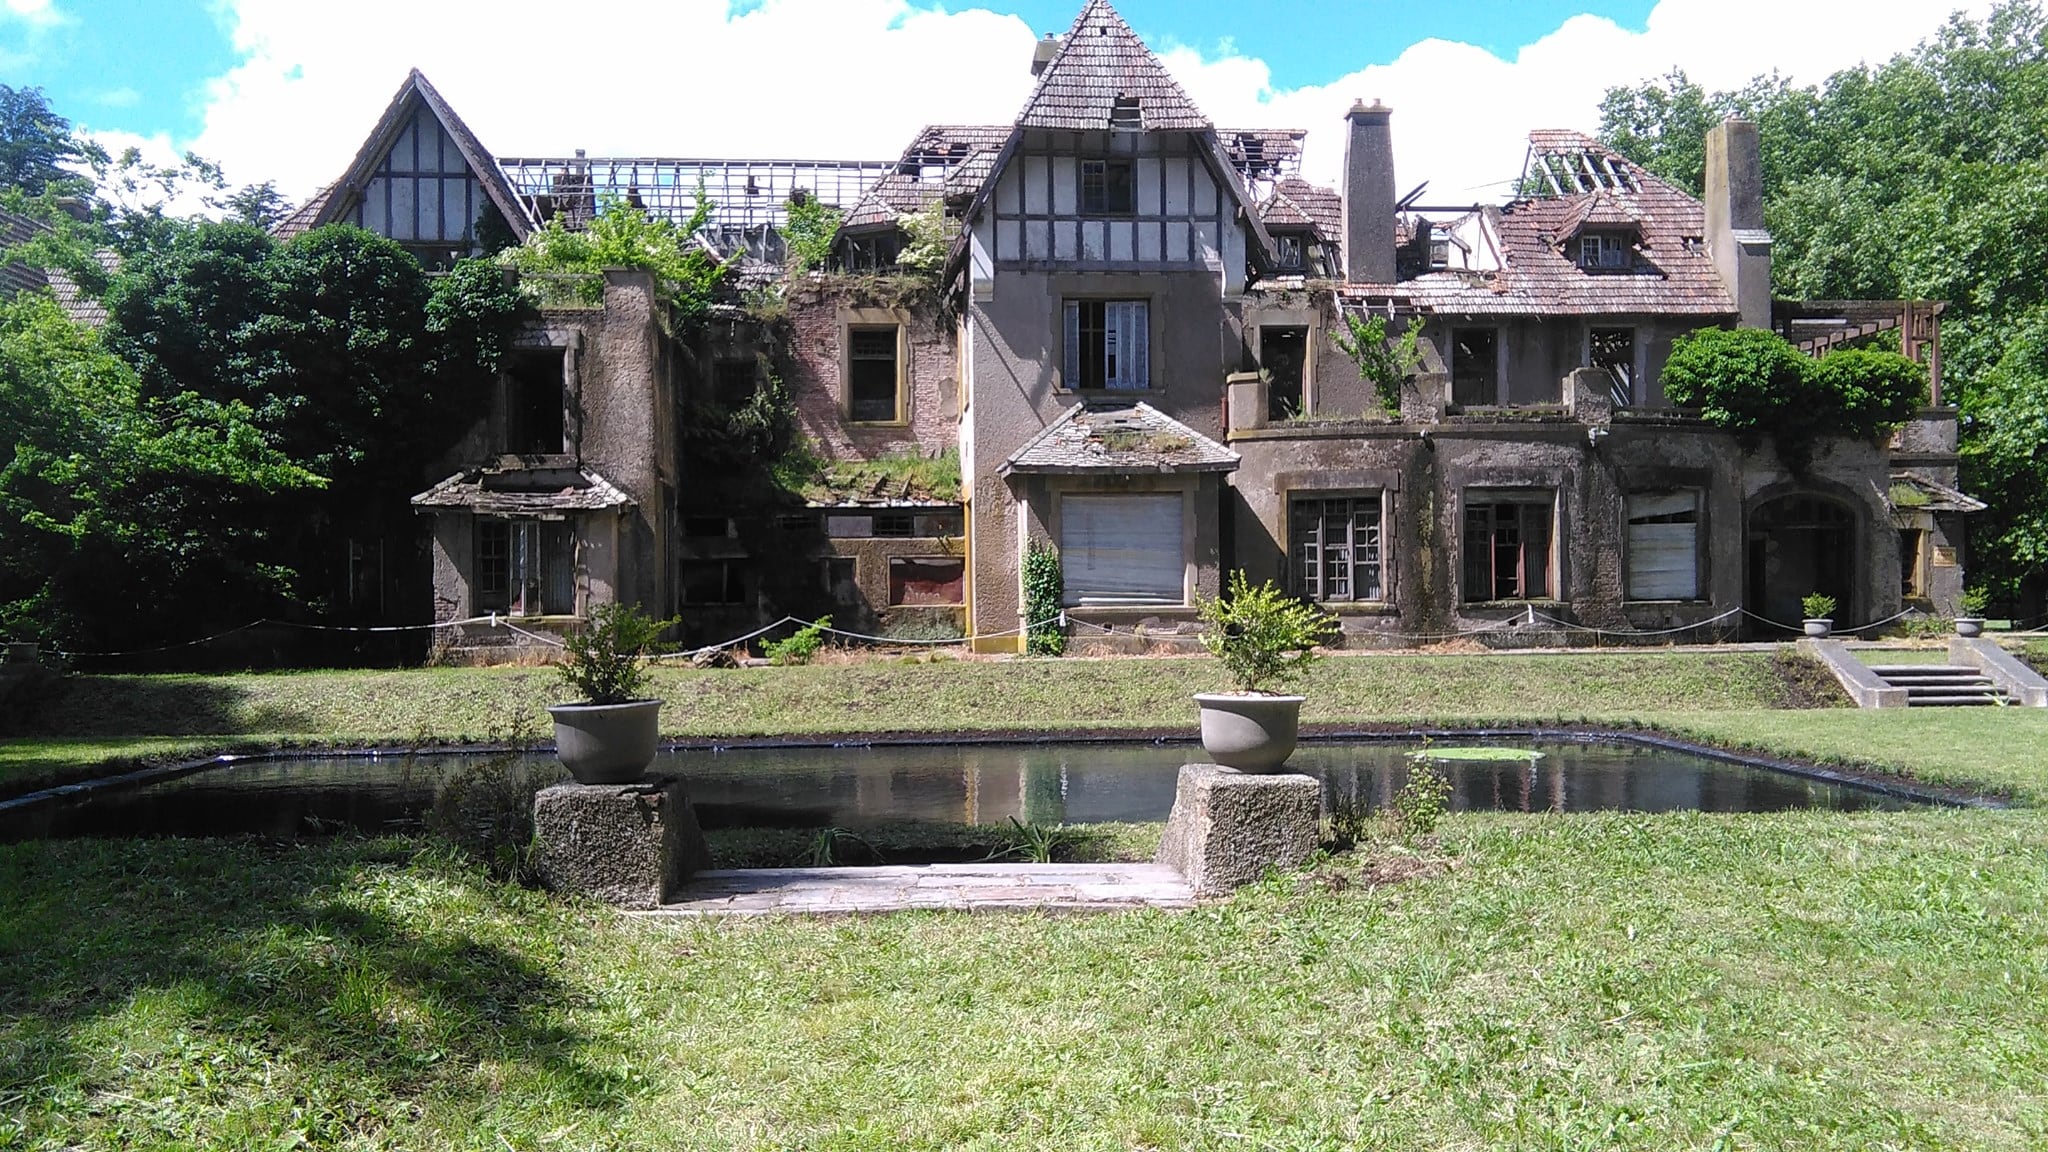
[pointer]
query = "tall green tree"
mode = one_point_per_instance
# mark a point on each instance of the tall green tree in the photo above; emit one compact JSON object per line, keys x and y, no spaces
{"x":35,"y":144}
{"x":1923,"y":177}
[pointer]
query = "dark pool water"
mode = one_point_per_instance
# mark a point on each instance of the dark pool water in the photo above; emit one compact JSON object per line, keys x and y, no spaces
{"x":989,"y":783}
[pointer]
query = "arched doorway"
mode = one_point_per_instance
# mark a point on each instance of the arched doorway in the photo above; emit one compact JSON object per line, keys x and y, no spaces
{"x":1801,"y":543}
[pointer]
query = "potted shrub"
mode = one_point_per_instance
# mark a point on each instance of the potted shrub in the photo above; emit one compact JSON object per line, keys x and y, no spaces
{"x":1971,"y":622}
{"x":1820,"y":611}
{"x":608,"y":736}
{"x":1263,"y":636}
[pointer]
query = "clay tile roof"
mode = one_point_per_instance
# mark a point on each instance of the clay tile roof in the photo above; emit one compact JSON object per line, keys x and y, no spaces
{"x":1602,"y":209}
{"x":18,"y":229}
{"x":1119,"y":436}
{"x":1100,"y":61}
{"x":1296,"y":203}
{"x":891,"y":196}
{"x":307,"y":216}
{"x":514,"y":485}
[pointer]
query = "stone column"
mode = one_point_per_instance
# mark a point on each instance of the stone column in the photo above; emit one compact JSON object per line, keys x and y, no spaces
{"x":1229,"y":827}
{"x":629,"y":845}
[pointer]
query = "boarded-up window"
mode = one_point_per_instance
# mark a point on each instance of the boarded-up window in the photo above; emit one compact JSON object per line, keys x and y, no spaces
{"x":1475,"y":366}
{"x":938,"y":580}
{"x":1122,"y":550}
{"x":525,"y":568}
{"x":1108,"y":344}
{"x":1336,"y":548}
{"x":1507,"y":545}
{"x":871,"y":387}
{"x":1663,"y":546}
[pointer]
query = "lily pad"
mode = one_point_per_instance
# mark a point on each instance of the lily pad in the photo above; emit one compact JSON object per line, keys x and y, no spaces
{"x":1517,"y":755}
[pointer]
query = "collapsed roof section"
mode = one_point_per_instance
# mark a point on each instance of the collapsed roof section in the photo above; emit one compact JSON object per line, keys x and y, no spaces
{"x":524,"y":486}
{"x":1525,"y":257}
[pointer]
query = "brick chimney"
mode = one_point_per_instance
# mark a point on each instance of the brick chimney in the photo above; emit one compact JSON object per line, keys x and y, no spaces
{"x":1735,"y":239}
{"x":1369,"y":195}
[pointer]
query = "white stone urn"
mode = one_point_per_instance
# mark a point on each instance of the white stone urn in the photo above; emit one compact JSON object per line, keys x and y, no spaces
{"x":1819,"y":628}
{"x":1251,"y":732}
{"x":607,"y":743}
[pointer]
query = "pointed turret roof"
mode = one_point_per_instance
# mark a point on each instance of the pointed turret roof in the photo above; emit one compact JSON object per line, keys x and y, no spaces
{"x":1100,"y":61}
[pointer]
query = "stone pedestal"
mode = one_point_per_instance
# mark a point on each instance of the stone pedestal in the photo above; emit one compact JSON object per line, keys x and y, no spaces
{"x":629,"y":845}
{"x":1229,"y":827}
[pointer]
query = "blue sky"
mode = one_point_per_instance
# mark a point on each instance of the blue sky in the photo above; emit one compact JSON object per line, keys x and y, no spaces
{"x":141,"y":66}
{"x":285,"y":90}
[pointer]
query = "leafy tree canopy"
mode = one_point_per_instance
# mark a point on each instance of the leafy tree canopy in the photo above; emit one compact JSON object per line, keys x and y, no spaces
{"x":1755,"y":383}
{"x":1920,"y":177}
{"x":35,"y":143}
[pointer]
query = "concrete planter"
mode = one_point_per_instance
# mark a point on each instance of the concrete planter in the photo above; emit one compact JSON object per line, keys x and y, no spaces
{"x":1969,"y":626}
{"x":1249,"y":733}
{"x":1819,"y":629}
{"x":607,"y":743}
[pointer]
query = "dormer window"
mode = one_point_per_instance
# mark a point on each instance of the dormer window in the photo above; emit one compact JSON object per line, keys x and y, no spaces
{"x":1440,"y":252}
{"x":1287,"y":249}
{"x":1605,"y":250}
{"x":1124,"y":115}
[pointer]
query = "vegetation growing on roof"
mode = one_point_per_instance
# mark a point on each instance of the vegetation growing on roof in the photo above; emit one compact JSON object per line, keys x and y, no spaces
{"x":622,"y":235}
{"x":1755,"y":383}
{"x":808,"y":230}
{"x":925,"y":239}
{"x":906,"y":475}
{"x":1383,"y":363}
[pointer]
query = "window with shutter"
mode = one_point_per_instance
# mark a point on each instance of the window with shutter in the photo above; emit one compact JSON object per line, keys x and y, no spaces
{"x":1122,"y":550}
{"x":1108,"y":344}
{"x":1663,"y":546}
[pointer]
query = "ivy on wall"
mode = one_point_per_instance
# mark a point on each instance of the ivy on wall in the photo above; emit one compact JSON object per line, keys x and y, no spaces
{"x":1044,"y":586}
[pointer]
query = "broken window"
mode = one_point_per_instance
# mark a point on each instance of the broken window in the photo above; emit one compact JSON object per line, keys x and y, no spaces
{"x":1614,"y":349}
{"x":1604,"y":250}
{"x":1912,"y":582}
{"x":533,"y":412}
{"x":1336,"y":548}
{"x":1283,"y":352}
{"x":1507,"y":542}
{"x":525,"y":568}
{"x":872,"y":376}
{"x":1107,"y":188}
{"x":922,"y":581}
{"x":796,"y":522}
{"x":1663,"y":545}
{"x":895,"y":525}
{"x":706,"y":527}
{"x":1125,"y":115}
{"x":1287,"y":249}
{"x":1108,"y":344}
{"x":841,"y":579}
{"x":1440,"y":252}
{"x":710,"y":582}
{"x":1475,"y":366}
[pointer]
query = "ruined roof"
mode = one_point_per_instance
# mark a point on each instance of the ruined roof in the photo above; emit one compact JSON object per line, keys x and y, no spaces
{"x":1099,"y":61}
{"x":525,"y":485}
{"x":1915,"y":492}
{"x":892,"y":196}
{"x":16,"y":229}
{"x":1296,"y":203}
{"x":339,"y":198}
{"x":1119,"y":436}
{"x":1254,"y":151}
{"x":1671,"y":272}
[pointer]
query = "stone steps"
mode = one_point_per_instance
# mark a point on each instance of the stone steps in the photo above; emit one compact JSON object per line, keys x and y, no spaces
{"x":1941,"y":685}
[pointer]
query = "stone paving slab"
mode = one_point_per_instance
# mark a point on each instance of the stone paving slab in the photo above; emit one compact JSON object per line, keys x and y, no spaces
{"x":953,"y":887}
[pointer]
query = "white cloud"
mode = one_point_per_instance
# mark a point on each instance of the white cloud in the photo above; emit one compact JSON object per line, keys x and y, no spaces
{"x":855,"y":78}
{"x":34,"y":13}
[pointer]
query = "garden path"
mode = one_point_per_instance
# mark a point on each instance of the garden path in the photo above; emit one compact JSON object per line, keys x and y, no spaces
{"x":952,"y":887}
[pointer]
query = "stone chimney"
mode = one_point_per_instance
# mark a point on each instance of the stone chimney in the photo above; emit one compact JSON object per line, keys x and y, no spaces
{"x":1369,"y":195}
{"x":1042,"y":55}
{"x":1735,"y":239}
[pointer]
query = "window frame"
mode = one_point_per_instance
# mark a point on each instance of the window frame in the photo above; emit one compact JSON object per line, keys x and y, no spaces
{"x":849,"y":357}
{"x":1522,"y":500}
{"x":1310,"y":581}
{"x":733,"y":583}
{"x":1105,"y":203}
{"x":1601,"y":243}
{"x":1495,"y":370}
{"x":1134,"y":371}
{"x":1635,"y":359}
{"x":503,"y":581}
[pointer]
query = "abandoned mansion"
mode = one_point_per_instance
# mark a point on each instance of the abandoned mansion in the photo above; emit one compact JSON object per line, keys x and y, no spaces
{"x":1114,"y":328}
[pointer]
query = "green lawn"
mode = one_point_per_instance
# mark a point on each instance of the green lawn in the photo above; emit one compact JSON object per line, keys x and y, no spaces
{"x":1792,"y":981}
{"x":1784,"y":981}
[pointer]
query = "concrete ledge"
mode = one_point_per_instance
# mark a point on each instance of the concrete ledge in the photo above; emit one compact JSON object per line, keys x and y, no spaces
{"x":630,"y":845}
{"x":2007,"y":671}
{"x":1229,"y":827}
{"x":1865,"y":687}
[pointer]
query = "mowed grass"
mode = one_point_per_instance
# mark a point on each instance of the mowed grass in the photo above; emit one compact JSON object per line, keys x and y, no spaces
{"x":1790,"y":981}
